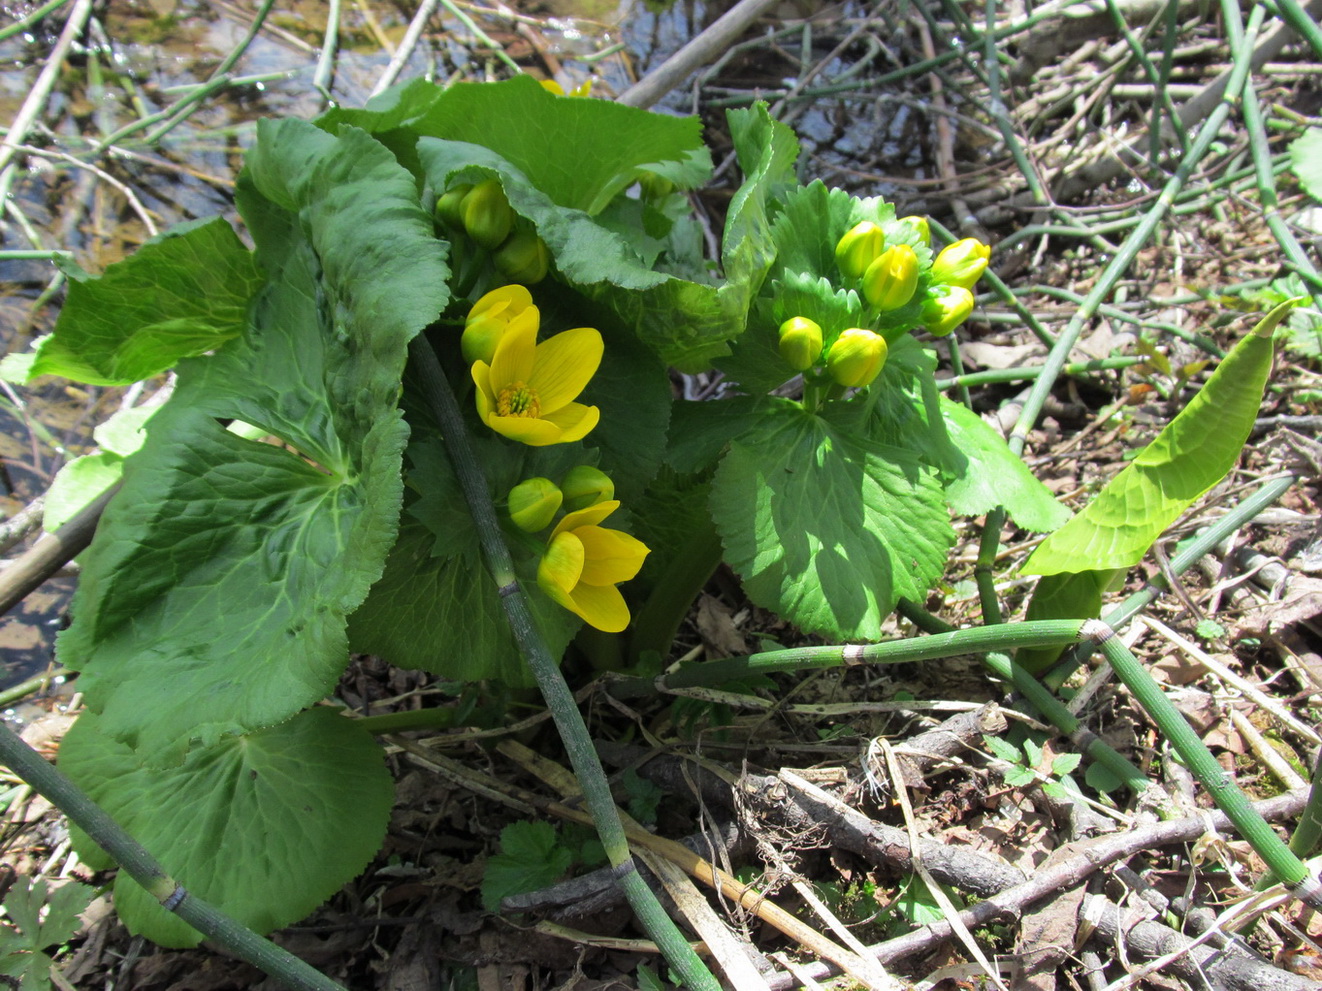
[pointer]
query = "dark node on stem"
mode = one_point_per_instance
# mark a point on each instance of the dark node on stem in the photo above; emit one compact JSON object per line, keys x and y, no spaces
{"x":852,"y":653}
{"x":176,"y":898}
{"x":624,"y":868}
{"x":507,"y":590}
{"x":1096,"y":631}
{"x":1308,"y":891}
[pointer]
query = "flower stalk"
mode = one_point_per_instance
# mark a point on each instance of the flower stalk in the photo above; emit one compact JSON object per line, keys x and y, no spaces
{"x":559,"y":700}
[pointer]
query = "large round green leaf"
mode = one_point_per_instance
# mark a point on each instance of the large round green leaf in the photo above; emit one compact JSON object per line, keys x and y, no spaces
{"x":266,"y":826}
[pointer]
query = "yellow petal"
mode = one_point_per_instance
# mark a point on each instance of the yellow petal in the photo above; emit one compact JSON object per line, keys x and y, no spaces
{"x":602,"y":606}
{"x":610,"y":556}
{"x":505,"y":302}
{"x":565,"y":364}
{"x":525,"y":429}
{"x":590,"y":516}
{"x":486,"y":399}
{"x":575,"y":421}
{"x":515,"y":355}
{"x":561,"y":565}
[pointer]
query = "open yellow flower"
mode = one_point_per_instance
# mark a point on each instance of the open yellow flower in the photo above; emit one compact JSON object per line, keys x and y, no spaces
{"x":527,"y":392}
{"x":585,"y":562}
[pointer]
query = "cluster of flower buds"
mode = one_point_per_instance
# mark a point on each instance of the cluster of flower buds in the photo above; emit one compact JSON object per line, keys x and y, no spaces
{"x":954,"y":272}
{"x":888,"y":276}
{"x":484,"y":213}
{"x":534,"y":502}
{"x":853,"y":360}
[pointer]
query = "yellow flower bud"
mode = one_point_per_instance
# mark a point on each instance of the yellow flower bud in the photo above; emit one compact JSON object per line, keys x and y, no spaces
{"x":490,"y":318}
{"x":921,"y":229}
{"x":586,"y":486}
{"x":859,"y":247}
{"x":890,"y":281}
{"x":655,"y":187}
{"x":447,"y":207}
{"x":523,"y":258}
{"x":946,"y":308}
{"x":856,"y":358}
{"x":486,"y":214}
{"x":800,"y":343}
{"x":961,"y":264}
{"x":533,"y":504}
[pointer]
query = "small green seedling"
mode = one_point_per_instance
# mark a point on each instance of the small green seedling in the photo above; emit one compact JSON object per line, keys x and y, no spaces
{"x":1027,"y":764}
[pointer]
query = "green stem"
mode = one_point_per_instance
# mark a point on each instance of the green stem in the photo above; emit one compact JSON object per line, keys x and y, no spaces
{"x":1304,"y":840}
{"x":23,"y":23}
{"x":144,"y":869}
{"x":1043,"y":633}
{"x":658,"y":620}
{"x":1106,"y":282}
{"x":38,"y":684}
{"x":1048,"y":706}
{"x":1283,"y":863}
{"x":558,"y":698}
{"x":410,"y":719}
{"x":1078,"y":368}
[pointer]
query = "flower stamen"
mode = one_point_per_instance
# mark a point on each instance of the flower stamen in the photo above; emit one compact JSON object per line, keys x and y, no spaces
{"x":517,"y":399}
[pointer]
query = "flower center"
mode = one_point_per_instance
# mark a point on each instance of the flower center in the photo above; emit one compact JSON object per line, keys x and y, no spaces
{"x":516,"y":399}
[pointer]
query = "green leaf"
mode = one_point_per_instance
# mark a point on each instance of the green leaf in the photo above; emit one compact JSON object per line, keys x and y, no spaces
{"x":443,"y":614}
{"x":24,"y":905}
{"x":992,"y":475}
{"x":1306,"y":160}
{"x":182,"y":293}
{"x":436,"y":607}
{"x":530,"y":857}
{"x":265,"y":826}
{"x":547,"y":137}
{"x":1003,"y":749}
{"x":1018,"y":776}
{"x":1033,"y":752}
{"x":1102,"y":779}
{"x":977,"y":468}
{"x":214,"y":596}
{"x":917,"y":903}
{"x":84,"y":478}
{"x":809,"y":515}
{"x":1065,"y":764}
{"x":77,"y":484}
{"x":644,"y":797}
{"x":700,"y":432}
{"x":649,"y":980}
{"x":1076,"y":595}
{"x":1187,"y":458}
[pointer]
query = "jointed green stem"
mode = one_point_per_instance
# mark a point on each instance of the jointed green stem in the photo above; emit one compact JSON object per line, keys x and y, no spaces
{"x":558,"y":698}
{"x":1283,"y":863}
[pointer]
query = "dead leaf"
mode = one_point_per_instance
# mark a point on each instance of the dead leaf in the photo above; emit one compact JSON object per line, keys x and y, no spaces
{"x":1302,"y":602}
{"x":716,"y":625}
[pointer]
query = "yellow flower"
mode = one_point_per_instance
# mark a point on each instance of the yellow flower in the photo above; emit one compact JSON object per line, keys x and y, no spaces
{"x":527,"y":392}
{"x":582,"y":89}
{"x":584,"y":562}
{"x":491,"y":316}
